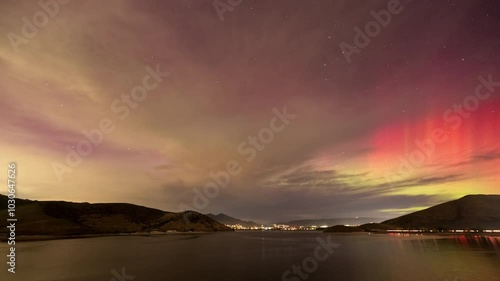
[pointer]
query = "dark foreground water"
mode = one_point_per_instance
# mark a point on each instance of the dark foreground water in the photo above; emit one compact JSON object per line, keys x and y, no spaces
{"x":255,"y":256}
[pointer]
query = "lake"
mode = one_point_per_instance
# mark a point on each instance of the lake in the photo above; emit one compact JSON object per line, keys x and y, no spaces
{"x":257,"y":256}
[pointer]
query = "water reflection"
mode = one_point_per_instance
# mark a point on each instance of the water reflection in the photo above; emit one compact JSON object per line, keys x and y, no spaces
{"x":466,"y":242}
{"x":262,"y":256}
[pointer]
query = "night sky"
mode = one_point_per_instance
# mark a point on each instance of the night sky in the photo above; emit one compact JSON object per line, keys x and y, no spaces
{"x":407,"y":121}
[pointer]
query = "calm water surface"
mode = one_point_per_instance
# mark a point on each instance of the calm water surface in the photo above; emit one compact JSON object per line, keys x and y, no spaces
{"x":258,"y":256}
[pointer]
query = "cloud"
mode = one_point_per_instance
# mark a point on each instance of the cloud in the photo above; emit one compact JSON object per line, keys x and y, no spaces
{"x":476,"y":158}
{"x":423,"y":181}
{"x":308,"y":176}
{"x":226,"y":77}
{"x":488,"y":156}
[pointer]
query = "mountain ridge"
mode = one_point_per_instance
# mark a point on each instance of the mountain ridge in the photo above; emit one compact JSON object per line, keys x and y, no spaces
{"x":470,"y":211}
{"x":69,"y":218}
{"x":226,"y":219}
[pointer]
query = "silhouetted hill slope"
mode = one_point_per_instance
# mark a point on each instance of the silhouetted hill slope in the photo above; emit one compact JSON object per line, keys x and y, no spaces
{"x":225,"y":219}
{"x":471,"y":211}
{"x":67,"y":218}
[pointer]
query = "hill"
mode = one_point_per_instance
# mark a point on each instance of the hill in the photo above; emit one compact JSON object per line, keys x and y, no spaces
{"x":68,"y":218}
{"x":471,"y":211}
{"x":225,"y":219}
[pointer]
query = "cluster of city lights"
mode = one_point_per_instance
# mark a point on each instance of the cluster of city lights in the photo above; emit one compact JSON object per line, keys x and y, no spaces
{"x":283,"y":227}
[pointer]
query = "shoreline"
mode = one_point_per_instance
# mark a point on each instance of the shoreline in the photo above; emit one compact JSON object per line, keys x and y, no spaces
{"x":485,"y":234}
{"x":32,"y":238}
